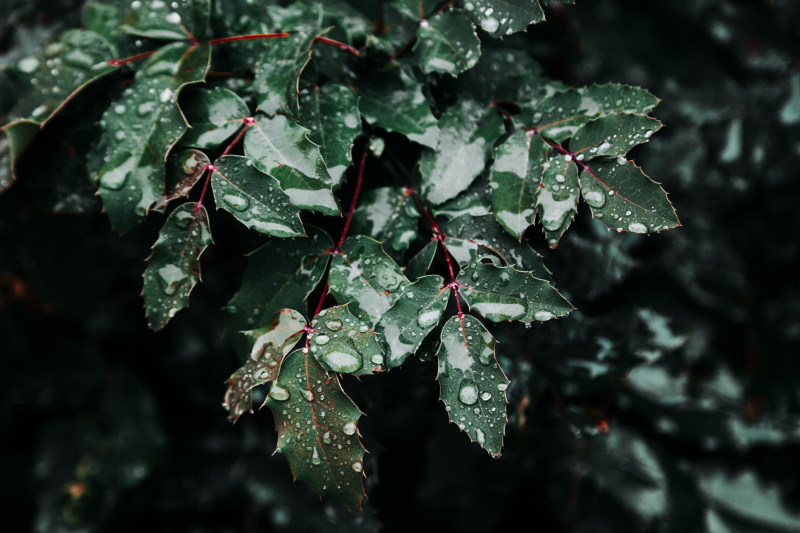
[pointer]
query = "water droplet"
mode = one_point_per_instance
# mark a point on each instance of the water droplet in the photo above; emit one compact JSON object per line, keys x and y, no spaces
{"x":322,"y":339}
{"x":481,"y":437}
{"x":315,"y":460}
{"x":234,"y":201}
{"x":344,"y":362}
{"x":594,"y":198}
{"x":349,"y":428}
{"x":502,"y":386}
{"x":543,"y":316}
{"x":486,"y":396}
{"x":428,"y":317}
{"x":28,"y":64}
{"x":326,"y":437}
{"x":357,"y":466}
{"x":334,"y":325}
{"x":308,"y":395}
{"x":377,"y":359}
{"x":637,"y":227}
{"x":363,"y":329}
{"x":279,"y":393}
{"x":114,"y":179}
{"x":468,"y":393}
{"x":475,"y":275}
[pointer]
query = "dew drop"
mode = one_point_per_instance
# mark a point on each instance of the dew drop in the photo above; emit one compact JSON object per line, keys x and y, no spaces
{"x":322,"y":339}
{"x":357,"y":466}
{"x":279,"y":393}
{"x":28,"y":64}
{"x":637,"y":227}
{"x":334,"y":325}
{"x":480,"y":436}
{"x":486,"y":396}
{"x":594,"y":198}
{"x":315,"y":460}
{"x":239,"y":203}
{"x":308,"y":395}
{"x":543,"y":316}
{"x":326,"y":437}
{"x":502,"y":386}
{"x":349,"y":428}
{"x":468,"y":393}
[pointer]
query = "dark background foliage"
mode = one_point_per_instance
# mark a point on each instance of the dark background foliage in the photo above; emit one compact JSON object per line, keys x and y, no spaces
{"x":669,"y":401}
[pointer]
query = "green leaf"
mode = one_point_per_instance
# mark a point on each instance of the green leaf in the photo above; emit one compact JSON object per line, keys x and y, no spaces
{"x":17,"y":137}
{"x":612,"y":135}
{"x":415,"y":313}
{"x":387,"y":214}
{"x":173,"y":268}
{"x":342,"y":343}
{"x":557,"y":198}
{"x":58,"y":72}
{"x":167,"y":19}
{"x":254,"y":198}
{"x":268,"y":346}
{"x":183,"y":170}
{"x":139,"y":129}
{"x":365,"y":276}
{"x":473,"y":386}
{"x":504,"y":17}
{"x":468,"y":133}
{"x":280,"y":147}
{"x":516,"y":175}
{"x":625,"y":198}
{"x":213,"y":116}
{"x":502,"y":293}
{"x":419,"y":264}
{"x":475,"y":201}
{"x":396,"y":103}
{"x":317,"y":425}
{"x":280,"y":274}
{"x":331,"y":113}
{"x":469,"y":238}
{"x":507,"y":74}
{"x":447,"y":44}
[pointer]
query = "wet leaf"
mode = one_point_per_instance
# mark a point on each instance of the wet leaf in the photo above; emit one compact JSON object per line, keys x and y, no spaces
{"x":447,"y":44}
{"x":317,"y":425}
{"x":365,"y":276}
{"x":387,"y":214}
{"x":397,"y":104}
{"x":331,"y":113}
{"x":214,"y":116}
{"x":166,"y":20}
{"x":342,"y":343}
{"x":183,"y":170}
{"x":280,"y":147}
{"x":612,"y":135}
{"x":16,"y":139}
{"x":468,"y":132}
{"x":557,"y":198}
{"x":473,"y":386}
{"x":254,"y":198}
{"x":173,"y":268}
{"x":139,"y":129}
{"x":516,"y":175}
{"x":504,"y":17}
{"x":270,"y":285}
{"x":415,"y":313}
{"x":502,"y":293}
{"x":625,"y":198}
{"x":268,"y":346}
{"x":419,"y":264}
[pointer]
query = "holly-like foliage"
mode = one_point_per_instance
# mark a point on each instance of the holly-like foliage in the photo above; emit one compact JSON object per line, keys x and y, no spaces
{"x":281,"y":115}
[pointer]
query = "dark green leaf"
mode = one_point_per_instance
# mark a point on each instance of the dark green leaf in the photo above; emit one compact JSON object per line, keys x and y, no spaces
{"x":502,"y":293}
{"x":280,"y":147}
{"x":183,"y":170}
{"x":612,"y":135}
{"x":447,"y":44}
{"x":139,"y":129}
{"x":557,"y":198}
{"x":516,"y":175}
{"x":365,"y":276}
{"x":415,"y":313}
{"x":166,"y":19}
{"x":254,"y":198}
{"x":625,"y":198}
{"x":468,"y":133}
{"x":214,"y":116}
{"x":280,"y":274}
{"x":268,"y":346}
{"x":504,"y":17}
{"x":17,"y":137}
{"x":331,"y":113}
{"x":473,"y":386}
{"x":173,"y":269}
{"x":387,"y":214}
{"x":342,"y":343}
{"x":317,"y":426}
{"x":419,"y":264}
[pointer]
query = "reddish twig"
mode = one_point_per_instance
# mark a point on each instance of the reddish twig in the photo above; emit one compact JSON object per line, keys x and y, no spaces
{"x":339,"y":45}
{"x":119,"y":62}
{"x":250,"y":37}
{"x":353,"y":203}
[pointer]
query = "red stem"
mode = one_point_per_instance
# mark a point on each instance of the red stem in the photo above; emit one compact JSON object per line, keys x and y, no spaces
{"x":353,"y":203}
{"x":445,"y":7}
{"x":339,"y":45}
{"x":119,"y":62}
{"x":248,"y":121}
{"x":251,"y":37}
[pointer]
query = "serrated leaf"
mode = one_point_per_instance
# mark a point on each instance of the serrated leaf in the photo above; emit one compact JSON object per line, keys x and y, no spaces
{"x":280,"y":147}
{"x":183,"y":170}
{"x":166,"y":20}
{"x":419,"y":264}
{"x":254,"y":198}
{"x":468,"y":133}
{"x":139,"y":129}
{"x":331,"y":113}
{"x":415,"y":313}
{"x":396,"y":103}
{"x":612,"y":135}
{"x":317,"y":425}
{"x":365,"y":276}
{"x":516,"y":175}
{"x":504,"y":17}
{"x":387,"y":214}
{"x":342,"y":343}
{"x":510,"y":75}
{"x":625,"y":198}
{"x":280,"y":274}
{"x":277,"y":75}
{"x":472,"y":383}
{"x":268,"y":346}
{"x":475,"y":201}
{"x":173,"y":268}
{"x":503,"y":293}
{"x":470,"y":238}
{"x":447,"y":44}
{"x":557,"y":197}
{"x":214,"y":116}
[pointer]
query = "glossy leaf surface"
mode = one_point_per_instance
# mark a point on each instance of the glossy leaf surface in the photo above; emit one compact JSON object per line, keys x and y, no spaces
{"x":557,"y":198}
{"x":447,"y":44}
{"x":214,"y":116}
{"x":342,"y":343}
{"x":388,"y":215}
{"x":504,"y":17}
